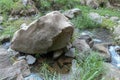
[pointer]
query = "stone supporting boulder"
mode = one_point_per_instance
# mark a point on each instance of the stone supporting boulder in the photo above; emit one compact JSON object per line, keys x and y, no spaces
{"x":49,"y":33}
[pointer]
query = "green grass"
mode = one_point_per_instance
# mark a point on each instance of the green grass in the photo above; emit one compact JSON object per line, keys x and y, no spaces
{"x":88,"y":68}
{"x":10,"y":27}
{"x":83,"y":22}
{"x":91,"y":67}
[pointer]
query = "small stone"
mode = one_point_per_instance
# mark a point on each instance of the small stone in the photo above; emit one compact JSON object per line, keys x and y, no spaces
{"x":20,"y":58}
{"x":33,"y":77}
{"x":30,"y":59}
{"x":95,"y":17}
{"x":57,"y":54}
{"x":6,"y":45}
{"x":1,"y":28}
{"x":115,"y":19}
{"x":72,"y":13}
{"x":1,"y":19}
{"x":24,"y":26}
{"x":70,"y":53}
{"x":12,"y":18}
{"x":24,"y":2}
{"x":12,"y":52}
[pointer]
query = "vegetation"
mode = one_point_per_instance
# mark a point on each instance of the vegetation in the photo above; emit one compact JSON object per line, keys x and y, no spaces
{"x":88,"y":68}
{"x":91,"y":66}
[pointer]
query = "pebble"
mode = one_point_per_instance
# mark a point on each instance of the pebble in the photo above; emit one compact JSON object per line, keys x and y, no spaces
{"x":30,"y":59}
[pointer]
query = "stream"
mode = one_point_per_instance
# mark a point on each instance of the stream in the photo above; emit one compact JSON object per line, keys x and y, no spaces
{"x":115,"y":57}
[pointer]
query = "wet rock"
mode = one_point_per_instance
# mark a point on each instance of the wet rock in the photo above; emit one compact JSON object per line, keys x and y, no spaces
{"x":111,"y":72}
{"x":70,"y":53}
{"x":1,"y":19}
{"x":6,"y":45}
{"x":115,"y":19}
{"x":49,"y":33}
{"x":72,"y":13}
{"x":95,"y":17}
{"x":115,"y":57}
{"x":30,"y":59}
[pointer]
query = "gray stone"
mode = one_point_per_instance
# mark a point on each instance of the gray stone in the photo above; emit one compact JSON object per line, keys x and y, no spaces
{"x":1,"y":19}
{"x":49,"y":33}
{"x":6,"y":45}
{"x":30,"y":59}
{"x":115,"y":19}
{"x":33,"y":77}
{"x":116,"y":32}
{"x":112,"y":73}
{"x":57,"y":53}
{"x":72,"y":13}
{"x":95,"y":17}
{"x":23,"y":26}
{"x":1,"y":28}
{"x":19,"y":68}
{"x":70,"y":53}
{"x":24,"y":2}
{"x":11,"y":18}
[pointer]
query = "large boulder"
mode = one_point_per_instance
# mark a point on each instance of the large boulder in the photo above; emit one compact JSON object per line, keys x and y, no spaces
{"x":49,"y":33}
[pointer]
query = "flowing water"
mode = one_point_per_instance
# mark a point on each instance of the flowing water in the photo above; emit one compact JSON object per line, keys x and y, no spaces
{"x":115,"y":57}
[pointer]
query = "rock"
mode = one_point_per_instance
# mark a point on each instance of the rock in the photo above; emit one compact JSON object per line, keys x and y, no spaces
{"x":95,"y":17}
{"x":1,"y":28}
{"x":70,"y":53}
{"x":24,"y":2}
{"x":19,"y":68}
{"x":90,"y":3}
{"x":103,"y":51}
{"x":21,"y":57}
{"x":112,"y":73}
{"x":96,"y":3}
{"x":29,"y":8}
{"x":33,"y":77}
{"x":11,"y":18}
{"x":12,"y":52}
{"x":1,"y":19}
{"x":57,"y":53}
{"x":49,"y":33}
{"x":4,"y":58}
{"x":115,"y":19}
{"x":72,"y":13}
{"x":81,"y":45}
{"x":9,"y":71}
{"x":6,"y":45}
{"x":23,"y":26}
{"x":30,"y":59}
{"x":116,"y":32}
